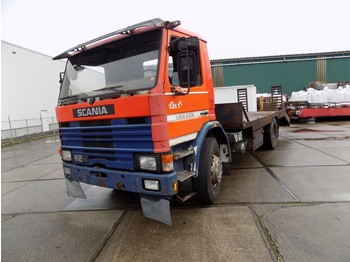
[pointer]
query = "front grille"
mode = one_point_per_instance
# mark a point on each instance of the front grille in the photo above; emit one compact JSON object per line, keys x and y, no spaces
{"x":108,"y":143}
{"x":90,"y":136}
{"x":103,"y":122}
{"x":105,"y":144}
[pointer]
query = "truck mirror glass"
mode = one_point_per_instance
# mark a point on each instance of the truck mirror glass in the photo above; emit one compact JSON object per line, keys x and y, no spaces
{"x":61,"y":75}
{"x":187,"y":69}
{"x":192,"y":43}
{"x":181,"y":44}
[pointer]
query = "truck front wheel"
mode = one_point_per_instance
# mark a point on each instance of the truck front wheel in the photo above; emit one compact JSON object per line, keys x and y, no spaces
{"x":210,"y":172}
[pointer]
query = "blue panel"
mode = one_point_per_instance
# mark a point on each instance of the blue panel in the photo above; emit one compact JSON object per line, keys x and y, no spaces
{"x":108,"y":144}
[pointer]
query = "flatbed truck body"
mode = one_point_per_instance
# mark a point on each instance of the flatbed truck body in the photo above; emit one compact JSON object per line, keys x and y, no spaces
{"x":136,"y":113}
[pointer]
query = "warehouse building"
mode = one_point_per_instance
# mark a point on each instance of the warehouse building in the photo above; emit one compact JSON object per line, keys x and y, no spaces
{"x":29,"y":82}
{"x":29,"y":91}
{"x":293,"y":72}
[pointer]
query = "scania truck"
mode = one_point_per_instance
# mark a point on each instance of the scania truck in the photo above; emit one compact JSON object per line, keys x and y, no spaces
{"x":136,"y":113}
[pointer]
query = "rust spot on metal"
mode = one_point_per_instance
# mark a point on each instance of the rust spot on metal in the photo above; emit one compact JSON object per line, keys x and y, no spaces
{"x":102,"y":182}
{"x":119,"y":185}
{"x":101,"y":179}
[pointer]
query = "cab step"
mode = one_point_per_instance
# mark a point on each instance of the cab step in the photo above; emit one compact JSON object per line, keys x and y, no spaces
{"x":185,"y":198}
{"x":184,"y":175}
{"x":182,"y":153}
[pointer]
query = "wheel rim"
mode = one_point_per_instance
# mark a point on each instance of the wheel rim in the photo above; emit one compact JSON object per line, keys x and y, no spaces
{"x":216,"y":170}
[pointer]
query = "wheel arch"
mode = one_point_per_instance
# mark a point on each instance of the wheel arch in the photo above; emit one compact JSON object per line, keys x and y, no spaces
{"x":211,"y":129}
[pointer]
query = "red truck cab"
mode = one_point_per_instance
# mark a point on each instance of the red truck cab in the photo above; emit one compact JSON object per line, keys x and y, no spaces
{"x":136,"y":113}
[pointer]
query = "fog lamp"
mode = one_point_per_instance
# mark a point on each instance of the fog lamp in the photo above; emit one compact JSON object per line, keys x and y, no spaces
{"x":153,"y":185}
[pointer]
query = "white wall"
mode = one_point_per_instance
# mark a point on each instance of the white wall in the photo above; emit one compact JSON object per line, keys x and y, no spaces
{"x":29,"y":83}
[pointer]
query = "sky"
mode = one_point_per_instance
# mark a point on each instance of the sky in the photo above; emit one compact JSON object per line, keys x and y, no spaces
{"x":233,"y":29}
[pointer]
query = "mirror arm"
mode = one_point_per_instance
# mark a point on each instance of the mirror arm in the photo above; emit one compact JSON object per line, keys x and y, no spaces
{"x":179,"y":91}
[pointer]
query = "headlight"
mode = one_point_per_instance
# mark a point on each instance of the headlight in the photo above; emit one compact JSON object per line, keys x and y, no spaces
{"x":148,"y":163}
{"x":155,"y":162}
{"x":66,"y":155}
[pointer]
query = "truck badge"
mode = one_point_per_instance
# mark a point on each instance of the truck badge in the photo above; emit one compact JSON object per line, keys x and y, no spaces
{"x":93,"y":111}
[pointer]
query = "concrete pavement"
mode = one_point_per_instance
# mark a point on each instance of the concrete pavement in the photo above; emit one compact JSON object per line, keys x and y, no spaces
{"x":289,"y":204}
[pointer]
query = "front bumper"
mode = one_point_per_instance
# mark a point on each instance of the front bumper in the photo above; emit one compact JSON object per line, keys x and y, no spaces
{"x":123,"y":180}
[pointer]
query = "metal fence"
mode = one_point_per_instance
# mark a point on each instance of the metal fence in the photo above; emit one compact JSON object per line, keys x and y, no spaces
{"x":26,"y":128}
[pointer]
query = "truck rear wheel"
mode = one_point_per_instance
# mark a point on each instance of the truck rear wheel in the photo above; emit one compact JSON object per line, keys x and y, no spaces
{"x":210,"y":172}
{"x":271,"y":135}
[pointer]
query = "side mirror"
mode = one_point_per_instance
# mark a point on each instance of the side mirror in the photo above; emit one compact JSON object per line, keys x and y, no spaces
{"x":190,"y":43}
{"x":187,"y":65}
{"x":183,"y":44}
{"x":61,"y":75}
{"x":187,"y":69}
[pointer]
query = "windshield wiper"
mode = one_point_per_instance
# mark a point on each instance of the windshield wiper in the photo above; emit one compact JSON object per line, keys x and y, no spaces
{"x":113,"y":87}
{"x":69,"y":99}
{"x":113,"y":93}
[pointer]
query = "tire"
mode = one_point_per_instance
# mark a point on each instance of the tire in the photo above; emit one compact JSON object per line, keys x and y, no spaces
{"x":210,"y":172}
{"x":271,"y":135}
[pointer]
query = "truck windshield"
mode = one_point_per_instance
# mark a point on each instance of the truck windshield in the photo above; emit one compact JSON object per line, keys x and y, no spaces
{"x":127,"y":65}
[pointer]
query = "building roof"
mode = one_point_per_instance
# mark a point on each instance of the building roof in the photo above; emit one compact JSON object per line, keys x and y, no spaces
{"x":291,"y":57}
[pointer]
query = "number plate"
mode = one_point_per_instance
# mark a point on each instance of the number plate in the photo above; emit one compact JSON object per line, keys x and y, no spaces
{"x":80,"y":158}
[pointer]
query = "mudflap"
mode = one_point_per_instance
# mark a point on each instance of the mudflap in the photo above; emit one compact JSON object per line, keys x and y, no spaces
{"x":156,"y":208}
{"x":74,"y":189}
